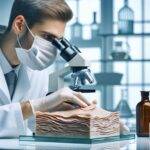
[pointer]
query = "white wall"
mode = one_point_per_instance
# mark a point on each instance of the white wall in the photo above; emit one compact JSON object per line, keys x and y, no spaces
{"x":5,"y":9}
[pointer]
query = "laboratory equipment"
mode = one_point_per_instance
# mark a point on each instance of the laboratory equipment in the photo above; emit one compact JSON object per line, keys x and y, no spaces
{"x":108,"y":78}
{"x":125,"y":19}
{"x":120,"y":51}
{"x":94,"y":26}
{"x":123,"y":106}
{"x":81,"y":79}
{"x":76,"y":28}
{"x":143,"y":115}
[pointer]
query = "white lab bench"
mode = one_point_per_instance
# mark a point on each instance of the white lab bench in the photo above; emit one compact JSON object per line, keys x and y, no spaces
{"x":136,"y":144}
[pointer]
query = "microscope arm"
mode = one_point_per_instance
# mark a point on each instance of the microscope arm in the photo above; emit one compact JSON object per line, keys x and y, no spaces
{"x":56,"y":79}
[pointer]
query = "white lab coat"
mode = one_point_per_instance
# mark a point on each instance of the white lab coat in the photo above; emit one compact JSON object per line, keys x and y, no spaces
{"x":31,"y":85}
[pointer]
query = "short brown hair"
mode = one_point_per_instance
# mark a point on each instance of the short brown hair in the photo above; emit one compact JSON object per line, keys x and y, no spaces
{"x":35,"y":11}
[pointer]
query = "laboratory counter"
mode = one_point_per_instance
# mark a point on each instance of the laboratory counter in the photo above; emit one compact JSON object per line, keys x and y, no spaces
{"x":134,"y":144}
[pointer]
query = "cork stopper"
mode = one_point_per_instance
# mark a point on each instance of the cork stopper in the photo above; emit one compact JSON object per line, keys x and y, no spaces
{"x":145,"y":95}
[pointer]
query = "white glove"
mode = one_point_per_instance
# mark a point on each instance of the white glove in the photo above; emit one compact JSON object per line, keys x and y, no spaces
{"x":123,"y":128}
{"x":55,"y":99}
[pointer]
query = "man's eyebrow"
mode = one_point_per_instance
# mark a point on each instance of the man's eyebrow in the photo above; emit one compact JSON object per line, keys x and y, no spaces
{"x":49,"y":34}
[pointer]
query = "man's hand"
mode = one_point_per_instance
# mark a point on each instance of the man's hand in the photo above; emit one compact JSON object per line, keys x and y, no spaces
{"x":123,"y":128}
{"x":61,"y":96}
{"x":67,"y":106}
{"x":26,"y":110}
{"x":63,"y":99}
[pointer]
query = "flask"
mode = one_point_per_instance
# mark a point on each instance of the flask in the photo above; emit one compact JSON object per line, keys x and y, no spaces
{"x":126,"y":19}
{"x":76,"y":30}
{"x":143,"y":115}
{"x":94,"y":26}
{"x":123,"y":107}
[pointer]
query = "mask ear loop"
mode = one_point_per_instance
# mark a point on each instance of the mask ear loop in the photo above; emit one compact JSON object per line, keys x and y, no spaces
{"x":20,"y":44}
{"x":29,"y":29}
{"x":19,"y":41}
{"x":18,"y":35}
{"x":30,"y":33}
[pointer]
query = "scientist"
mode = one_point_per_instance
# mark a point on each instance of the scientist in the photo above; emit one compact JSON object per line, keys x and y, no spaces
{"x":25,"y":53}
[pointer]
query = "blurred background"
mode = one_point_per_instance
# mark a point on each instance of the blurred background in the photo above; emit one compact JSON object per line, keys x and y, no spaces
{"x":114,"y":35}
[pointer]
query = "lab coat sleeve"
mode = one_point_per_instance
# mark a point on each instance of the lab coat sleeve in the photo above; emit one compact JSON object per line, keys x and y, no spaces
{"x":11,"y":120}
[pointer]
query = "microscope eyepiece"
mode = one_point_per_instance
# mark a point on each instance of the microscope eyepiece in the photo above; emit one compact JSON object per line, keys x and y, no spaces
{"x":57,"y":43}
{"x":67,"y":50}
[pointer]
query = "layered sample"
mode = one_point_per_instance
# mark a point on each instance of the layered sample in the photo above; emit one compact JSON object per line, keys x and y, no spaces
{"x":89,"y":122}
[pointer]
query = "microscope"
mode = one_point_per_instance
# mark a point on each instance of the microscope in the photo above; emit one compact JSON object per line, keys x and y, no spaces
{"x":81,"y":78}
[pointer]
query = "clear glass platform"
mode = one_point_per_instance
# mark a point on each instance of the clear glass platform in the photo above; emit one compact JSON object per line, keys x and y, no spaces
{"x":36,"y":138}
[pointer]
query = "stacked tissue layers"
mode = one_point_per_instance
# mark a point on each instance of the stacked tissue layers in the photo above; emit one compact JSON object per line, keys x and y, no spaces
{"x":89,"y":122}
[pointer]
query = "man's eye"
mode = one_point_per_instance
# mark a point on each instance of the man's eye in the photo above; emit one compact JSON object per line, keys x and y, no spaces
{"x":45,"y":36}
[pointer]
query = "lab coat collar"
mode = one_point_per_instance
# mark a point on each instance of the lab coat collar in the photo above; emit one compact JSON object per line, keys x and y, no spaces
{"x":23,"y":84}
{"x":4,"y":92}
{"x":6,"y":67}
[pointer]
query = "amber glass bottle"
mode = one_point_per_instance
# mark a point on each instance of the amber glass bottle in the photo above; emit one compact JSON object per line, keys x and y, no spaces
{"x":143,"y":115}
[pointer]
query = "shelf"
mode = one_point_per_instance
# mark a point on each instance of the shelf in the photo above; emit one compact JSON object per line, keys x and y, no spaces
{"x":122,"y":35}
{"x":86,"y":43}
{"x":108,"y":78}
{"x":132,"y":60}
{"x":129,"y":84}
{"x":136,"y":84}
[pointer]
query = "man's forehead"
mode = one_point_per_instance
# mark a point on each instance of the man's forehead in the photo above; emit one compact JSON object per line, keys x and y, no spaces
{"x":55,"y":28}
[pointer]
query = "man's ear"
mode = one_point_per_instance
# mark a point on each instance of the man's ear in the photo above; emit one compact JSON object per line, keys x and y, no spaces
{"x":18,"y":25}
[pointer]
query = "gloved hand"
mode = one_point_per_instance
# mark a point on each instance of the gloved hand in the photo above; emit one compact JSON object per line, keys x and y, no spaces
{"x":123,"y":128}
{"x":64,"y":106}
{"x":55,"y":99}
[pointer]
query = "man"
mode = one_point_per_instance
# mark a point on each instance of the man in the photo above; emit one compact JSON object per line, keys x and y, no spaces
{"x":25,"y":51}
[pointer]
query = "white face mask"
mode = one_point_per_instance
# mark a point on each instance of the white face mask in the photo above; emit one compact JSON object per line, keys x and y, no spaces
{"x":41,"y":54}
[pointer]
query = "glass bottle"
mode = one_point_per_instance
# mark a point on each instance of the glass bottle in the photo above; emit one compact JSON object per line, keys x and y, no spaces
{"x":94,"y":26}
{"x":118,"y":46}
{"x":76,"y":29}
{"x":126,"y":19}
{"x":117,"y":53}
{"x":143,"y":115}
